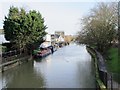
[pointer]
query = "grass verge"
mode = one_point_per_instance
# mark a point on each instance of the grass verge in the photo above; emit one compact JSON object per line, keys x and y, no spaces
{"x":113,"y":63}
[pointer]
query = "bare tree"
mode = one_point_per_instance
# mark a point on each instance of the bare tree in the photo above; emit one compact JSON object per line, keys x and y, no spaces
{"x":100,"y":26}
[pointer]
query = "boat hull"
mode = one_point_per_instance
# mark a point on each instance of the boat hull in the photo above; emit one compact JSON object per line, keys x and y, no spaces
{"x":42,"y":54}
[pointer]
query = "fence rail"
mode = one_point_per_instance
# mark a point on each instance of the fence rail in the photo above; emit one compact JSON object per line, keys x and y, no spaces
{"x":111,"y":83}
{"x":13,"y":58}
{"x":106,"y":77}
{"x":12,"y":55}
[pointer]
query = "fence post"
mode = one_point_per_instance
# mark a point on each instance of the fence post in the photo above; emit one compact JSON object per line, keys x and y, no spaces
{"x":111,"y":83}
{"x":2,"y":68}
{"x":105,"y":79}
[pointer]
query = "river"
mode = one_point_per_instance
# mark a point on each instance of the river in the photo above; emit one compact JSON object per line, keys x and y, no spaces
{"x":68,"y":67}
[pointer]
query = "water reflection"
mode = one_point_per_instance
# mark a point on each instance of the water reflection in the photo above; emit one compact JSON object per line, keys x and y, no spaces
{"x":68,"y":67}
{"x":23,"y":76}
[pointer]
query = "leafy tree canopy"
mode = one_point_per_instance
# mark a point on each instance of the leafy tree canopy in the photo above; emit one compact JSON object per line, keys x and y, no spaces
{"x":24,"y":28}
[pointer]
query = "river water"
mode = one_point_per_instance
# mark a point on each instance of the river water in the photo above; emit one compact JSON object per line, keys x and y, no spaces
{"x":68,"y":67}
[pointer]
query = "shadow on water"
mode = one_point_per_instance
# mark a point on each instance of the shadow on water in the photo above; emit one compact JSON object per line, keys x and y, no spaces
{"x":41,"y":59}
{"x":38,"y":59}
{"x":23,"y":76}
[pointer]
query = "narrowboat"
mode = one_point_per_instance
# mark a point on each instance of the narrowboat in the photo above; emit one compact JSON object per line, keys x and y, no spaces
{"x":42,"y":52}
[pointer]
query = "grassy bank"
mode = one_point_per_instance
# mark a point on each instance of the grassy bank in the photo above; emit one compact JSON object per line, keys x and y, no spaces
{"x":113,"y":62}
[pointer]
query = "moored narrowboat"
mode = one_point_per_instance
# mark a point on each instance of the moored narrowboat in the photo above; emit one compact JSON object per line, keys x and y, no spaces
{"x":42,"y":52}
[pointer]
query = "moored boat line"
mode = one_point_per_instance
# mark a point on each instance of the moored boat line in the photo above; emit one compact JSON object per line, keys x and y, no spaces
{"x":44,"y":51}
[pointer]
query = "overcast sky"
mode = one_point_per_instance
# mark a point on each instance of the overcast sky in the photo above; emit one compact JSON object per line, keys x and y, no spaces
{"x":59,"y":15}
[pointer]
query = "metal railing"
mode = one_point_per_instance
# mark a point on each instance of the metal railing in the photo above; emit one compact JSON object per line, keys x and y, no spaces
{"x":110,"y":80}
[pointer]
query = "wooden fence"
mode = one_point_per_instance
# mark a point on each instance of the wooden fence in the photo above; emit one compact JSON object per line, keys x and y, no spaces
{"x":12,"y":55}
{"x":13,"y":58}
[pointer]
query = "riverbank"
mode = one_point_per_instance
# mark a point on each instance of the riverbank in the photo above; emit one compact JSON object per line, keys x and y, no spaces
{"x":99,"y":83}
{"x":10,"y":64}
{"x":105,"y":76}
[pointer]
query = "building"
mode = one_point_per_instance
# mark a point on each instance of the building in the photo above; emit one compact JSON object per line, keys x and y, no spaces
{"x":60,"y":33}
{"x":54,"y":39}
{"x":60,"y":39}
{"x":48,"y":38}
{"x":47,"y":42}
